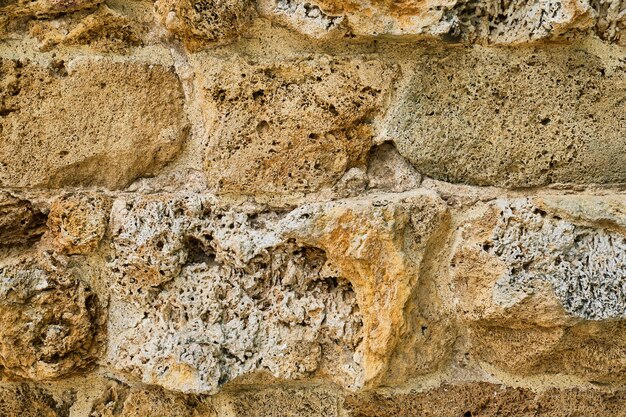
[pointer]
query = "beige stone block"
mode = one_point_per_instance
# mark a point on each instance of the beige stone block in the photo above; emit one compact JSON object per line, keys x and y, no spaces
{"x":290,"y":126}
{"x":542,"y":292}
{"x":204,"y":295}
{"x":87,"y":123}
{"x":514,"y":117}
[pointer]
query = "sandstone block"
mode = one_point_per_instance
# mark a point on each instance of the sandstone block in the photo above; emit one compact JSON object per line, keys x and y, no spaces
{"x":49,"y":321}
{"x":91,"y":122}
{"x":527,"y":118}
{"x":291,"y":126}
{"x":544,"y":293}
{"x":200,"y":23}
{"x":217,"y":293}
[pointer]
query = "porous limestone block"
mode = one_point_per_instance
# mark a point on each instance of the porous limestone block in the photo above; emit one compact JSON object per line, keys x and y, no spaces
{"x":123,"y":401}
{"x":203,"y":295}
{"x":542,"y":291}
{"x":485,"y":21}
{"x":77,"y":222}
{"x":381,"y":243}
{"x":50,"y":320}
{"x":487,"y":400}
{"x":289,"y":126}
{"x":200,"y":23}
{"x":114,"y":26}
{"x":219,"y":294}
{"x":275,"y":402}
{"x":87,"y":122}
{"x":514,"y":118}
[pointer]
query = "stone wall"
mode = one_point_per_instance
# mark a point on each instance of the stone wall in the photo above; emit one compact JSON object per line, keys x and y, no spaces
{"x":220,"y":208}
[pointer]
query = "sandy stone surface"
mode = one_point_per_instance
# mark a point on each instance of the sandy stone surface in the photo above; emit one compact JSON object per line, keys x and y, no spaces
{"x":312,"y":208}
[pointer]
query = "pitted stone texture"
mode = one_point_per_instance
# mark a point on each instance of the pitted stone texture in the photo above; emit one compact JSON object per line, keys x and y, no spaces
{"x":150,"y":240}
{"x":90,"y":122}
{"x":233,"y":299}
{"x":490,"y":21}
{"x":20,"y":221}
{"x":77,"y":222}
{"x":13,"y":13}
{"x":23,"y":400}
{"x":379,"y":243}
{"x":219,"y":294}
{"x":481,"y":399}
{"x":122,"y":401}
{"x":540,"y":293}
{"x":277,"y":402}
{"x":585,"y":266}
{"x":201,"y":23}
{"x":291,"y":126}
{"x":527,"y":118}
{"x":610,"y":20}
{"x":49,"y":321}
{"x":112,"y":27}
{"x":42,"y":8}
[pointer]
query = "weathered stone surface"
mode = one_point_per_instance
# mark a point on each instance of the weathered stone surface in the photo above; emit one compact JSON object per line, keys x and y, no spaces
{"x":201,"y":23}
{"x":312,"y":208}
{"x":491,"y":22}
{"x":610,"y":20}
{"x":123,"y":401}
{"x":41,"y":8}
{"x":220,"y":298}
{"x":276,"y":402}
{"x":222,"y":293}
{"x":555,"y":115}
{"x":77,"y":222}
{"x":388,"y":170}
{"x":27,"y":401}
{"x":88,"y":122}
{"x":379,"y":243}
{"x":608,"y":211}
{"x":486,"y":400}
{"x":20,"y":222}
{"x":49,"y":321}
{"x":112,"y":27}
{"x":542,"y":294}
{"x":291,"y":126}
{"x":13,"y":13}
